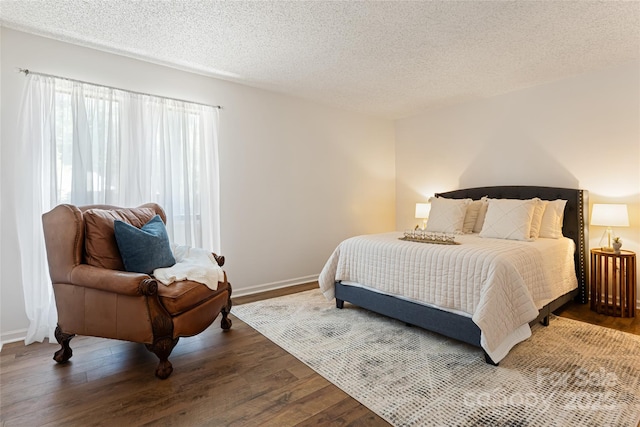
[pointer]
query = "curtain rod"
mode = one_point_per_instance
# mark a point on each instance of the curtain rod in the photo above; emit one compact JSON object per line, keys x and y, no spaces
{"x":27,"y":72}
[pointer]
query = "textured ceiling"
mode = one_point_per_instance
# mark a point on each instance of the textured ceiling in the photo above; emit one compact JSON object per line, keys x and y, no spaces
{"x":389,"y":59}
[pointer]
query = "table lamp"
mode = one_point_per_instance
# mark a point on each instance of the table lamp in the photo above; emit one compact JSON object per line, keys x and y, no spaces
{"x":609,"y":215}
{"x":422,"y":212}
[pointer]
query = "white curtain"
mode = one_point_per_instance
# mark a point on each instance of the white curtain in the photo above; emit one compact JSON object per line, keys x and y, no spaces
{"x":86,"y":144}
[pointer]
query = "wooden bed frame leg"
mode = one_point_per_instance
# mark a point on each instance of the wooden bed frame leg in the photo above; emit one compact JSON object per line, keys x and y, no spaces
{"x":488,"y":359}
{"x":65,"y":353}
{"x":545,"y":320}
{"x":339,"y":303}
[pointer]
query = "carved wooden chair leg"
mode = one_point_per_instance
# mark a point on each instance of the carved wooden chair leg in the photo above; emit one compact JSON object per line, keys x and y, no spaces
{"x":65,"y":353}
{"x":226,"y":323}
{"x":163,"y":348}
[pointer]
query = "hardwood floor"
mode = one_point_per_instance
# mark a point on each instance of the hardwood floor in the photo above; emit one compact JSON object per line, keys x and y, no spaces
{"x":583,"y":313}
{"x":235,"y":378}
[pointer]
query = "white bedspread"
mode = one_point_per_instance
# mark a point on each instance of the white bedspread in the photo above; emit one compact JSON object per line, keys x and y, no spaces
{"x":500,"y":284}
{"x":194,"y":264}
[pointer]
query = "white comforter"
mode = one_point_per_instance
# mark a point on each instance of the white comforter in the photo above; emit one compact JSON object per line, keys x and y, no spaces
{"x":500,"y":284}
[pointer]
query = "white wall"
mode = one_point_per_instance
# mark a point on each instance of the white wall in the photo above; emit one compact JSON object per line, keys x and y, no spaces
{"x":296,"y":177}
{"x":581,"y":132}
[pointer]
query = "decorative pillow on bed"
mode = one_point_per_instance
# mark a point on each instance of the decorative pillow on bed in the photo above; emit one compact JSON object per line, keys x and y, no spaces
{"x":482,"y":213}
{"x":470,"y":218}
{"x":447,"y":215}
{"x":552,"y":218}
{"x":144,"y":249}
{"x":509,"y":219}
{"x":537,"y":217}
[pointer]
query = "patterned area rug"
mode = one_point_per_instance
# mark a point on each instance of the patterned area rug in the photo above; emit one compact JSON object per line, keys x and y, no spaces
{"x":567,"y":374}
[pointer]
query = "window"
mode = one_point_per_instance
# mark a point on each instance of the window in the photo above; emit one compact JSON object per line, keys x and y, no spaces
{"x":92,"y":144}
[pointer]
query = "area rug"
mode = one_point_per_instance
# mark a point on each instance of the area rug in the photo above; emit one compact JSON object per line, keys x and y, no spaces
{"x":567,"y":374}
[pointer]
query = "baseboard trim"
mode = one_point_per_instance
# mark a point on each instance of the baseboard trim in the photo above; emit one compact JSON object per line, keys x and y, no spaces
{"x":12,"y":336}
{"x":273,"y":286}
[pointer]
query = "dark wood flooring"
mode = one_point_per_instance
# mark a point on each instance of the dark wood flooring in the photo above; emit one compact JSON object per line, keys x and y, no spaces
{"x":583,"y":313}
{"x":235,"y":378}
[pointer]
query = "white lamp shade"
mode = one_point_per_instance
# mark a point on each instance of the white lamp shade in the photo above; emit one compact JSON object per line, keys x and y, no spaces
{"x":422,"y":210}
{"x":610,"y":215}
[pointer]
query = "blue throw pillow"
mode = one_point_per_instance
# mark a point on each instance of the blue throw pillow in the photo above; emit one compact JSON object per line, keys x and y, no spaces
{"x":144,"y":249}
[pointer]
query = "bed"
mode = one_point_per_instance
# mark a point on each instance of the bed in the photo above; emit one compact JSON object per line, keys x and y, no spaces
{"x":389,"y":276}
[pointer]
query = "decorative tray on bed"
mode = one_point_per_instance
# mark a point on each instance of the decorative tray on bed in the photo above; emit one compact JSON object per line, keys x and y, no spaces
{"x":422,"y":236}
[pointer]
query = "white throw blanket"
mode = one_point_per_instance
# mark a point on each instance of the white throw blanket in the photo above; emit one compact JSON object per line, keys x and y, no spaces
{"x":194,"y":264}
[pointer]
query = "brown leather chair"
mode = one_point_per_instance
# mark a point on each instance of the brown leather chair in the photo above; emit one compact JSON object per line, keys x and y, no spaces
{"x":95,"y":297}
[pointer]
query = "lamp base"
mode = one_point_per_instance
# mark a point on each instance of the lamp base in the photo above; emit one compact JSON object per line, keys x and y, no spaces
{"x":607,"y":249}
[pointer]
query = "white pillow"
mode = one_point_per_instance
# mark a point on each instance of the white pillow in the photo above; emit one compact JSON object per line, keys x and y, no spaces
{"x":509,"y":219}
{"x":482,"y":212}
{"x":447,"y":215}
{"x":537,"y":217}
{"x":551,"y":225}
{"x":470,"y":218}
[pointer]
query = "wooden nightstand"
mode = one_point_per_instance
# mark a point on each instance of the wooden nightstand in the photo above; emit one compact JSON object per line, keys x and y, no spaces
{"x":613,"y":283}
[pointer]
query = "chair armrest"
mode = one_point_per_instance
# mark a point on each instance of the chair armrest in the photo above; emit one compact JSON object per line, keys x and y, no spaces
{"x":119,"y":282}
{"x":219,"y":259}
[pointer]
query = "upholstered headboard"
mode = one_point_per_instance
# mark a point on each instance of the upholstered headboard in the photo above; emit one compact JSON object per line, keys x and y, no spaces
{"x":575,"y":216}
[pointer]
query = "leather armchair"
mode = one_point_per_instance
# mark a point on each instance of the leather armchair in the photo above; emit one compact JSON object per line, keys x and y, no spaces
{"x":105,"y":302}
